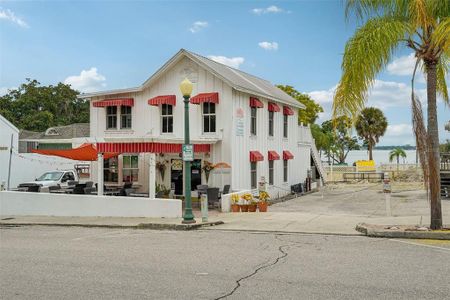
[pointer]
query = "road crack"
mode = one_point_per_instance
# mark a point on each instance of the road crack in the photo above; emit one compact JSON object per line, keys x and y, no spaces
{"x":282,"y":249}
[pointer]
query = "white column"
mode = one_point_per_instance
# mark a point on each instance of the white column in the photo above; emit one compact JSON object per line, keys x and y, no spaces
{"x":100,"y":174}
{"x":152,"y":176}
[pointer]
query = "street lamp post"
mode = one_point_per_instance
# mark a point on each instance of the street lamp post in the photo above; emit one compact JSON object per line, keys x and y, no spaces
{"x":188,"y":217}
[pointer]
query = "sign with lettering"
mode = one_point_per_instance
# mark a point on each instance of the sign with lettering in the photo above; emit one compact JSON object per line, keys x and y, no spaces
{"x":188,"y":152}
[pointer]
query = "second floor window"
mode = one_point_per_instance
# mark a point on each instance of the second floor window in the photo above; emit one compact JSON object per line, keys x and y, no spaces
{"x":166,"y":118}
{"x":285,"y":126}
{"x":271,"y":114}
{"x":209,"y":117}
{"x":271,"y":172}
{"x":125,"y":117}
{"x":253,"y":120}
{"x":285,"y":170}
{"x":111,"y":117}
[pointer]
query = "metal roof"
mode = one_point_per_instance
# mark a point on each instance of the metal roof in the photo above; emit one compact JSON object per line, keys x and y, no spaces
{"x":77,"y":130}
{"x":237,"y":79}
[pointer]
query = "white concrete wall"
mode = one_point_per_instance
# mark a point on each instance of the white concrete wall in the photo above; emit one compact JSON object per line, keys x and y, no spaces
{"x":6,"y":130}
{"x":44,"y":204}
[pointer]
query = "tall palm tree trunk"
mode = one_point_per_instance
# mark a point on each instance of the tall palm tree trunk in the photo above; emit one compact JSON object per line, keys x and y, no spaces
{"x":370,"y":151}
{"x":398,"y":161}
{"x":433,"y":150}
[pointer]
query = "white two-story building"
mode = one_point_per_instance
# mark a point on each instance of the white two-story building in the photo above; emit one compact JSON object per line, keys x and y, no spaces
{"x":235,"y":118}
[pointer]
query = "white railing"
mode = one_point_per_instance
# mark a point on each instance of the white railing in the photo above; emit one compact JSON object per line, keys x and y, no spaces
{"x":304,"y":134}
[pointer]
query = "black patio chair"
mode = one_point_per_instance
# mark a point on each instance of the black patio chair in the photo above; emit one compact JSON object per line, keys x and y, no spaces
{"x":90,"y":190}
{"x":89,"y":184}
{"x":126,"y":185}
{"x":226,"y":190}
{"x":213,"y":197}
{"x":79,"y":188}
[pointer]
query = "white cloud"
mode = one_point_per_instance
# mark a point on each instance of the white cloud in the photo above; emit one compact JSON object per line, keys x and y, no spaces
{"x":8,"y":15}
{"x":269,"y":45}
{"x":88,"y":81}
{"x":197,"y":26}
{"x":398,"y":130}
{"x":268,"y":10}
{"x":233,"y":62}
{"x":403,"y":66}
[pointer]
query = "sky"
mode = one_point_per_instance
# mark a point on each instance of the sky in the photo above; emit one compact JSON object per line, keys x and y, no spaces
{"x":102,"y":45}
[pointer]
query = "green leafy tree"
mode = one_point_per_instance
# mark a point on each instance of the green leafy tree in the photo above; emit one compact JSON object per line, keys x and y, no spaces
{"x":35,"y":107}
{"x":397,"y":153}
{"x":370,"y":125}
{"x":322,"y":139}
{"x":311,"y":112}
{"x":422,"y":26}
{"x":341,"y":142}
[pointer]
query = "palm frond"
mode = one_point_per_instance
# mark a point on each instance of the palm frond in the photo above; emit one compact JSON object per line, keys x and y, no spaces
{"x":366,"y":54}
{"x":369,"y":8}
{"x":441,"y":74}
{"x":441,"y":35}
{"x":420,"y":13}
{"x":421,"y":136}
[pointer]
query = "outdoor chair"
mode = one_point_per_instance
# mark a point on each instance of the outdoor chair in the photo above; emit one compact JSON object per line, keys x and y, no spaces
{"x":79,"y":188}
{"x":90,"y":190}
{"x":226,"y":190}
{"x":213,"y":197}
{"x":34,"y":188}
{"x":126,"y":185}
{"x":89,"y":184}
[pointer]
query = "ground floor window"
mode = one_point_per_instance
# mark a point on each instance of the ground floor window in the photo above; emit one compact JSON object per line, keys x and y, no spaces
{"x":110,"y":170}
{"x":285,"y":170}
{"x":130,"y":168}
{"x":253,"y":174}
{"x":271,"y":172}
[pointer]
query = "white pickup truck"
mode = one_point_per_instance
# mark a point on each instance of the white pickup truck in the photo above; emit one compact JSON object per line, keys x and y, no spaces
{"x":52,"y":178}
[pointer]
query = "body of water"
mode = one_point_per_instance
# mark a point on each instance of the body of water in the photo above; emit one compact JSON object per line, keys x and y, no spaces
{"x":379,"y":156}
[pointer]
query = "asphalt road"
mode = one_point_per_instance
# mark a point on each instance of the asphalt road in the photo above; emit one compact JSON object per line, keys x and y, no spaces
{"x":87,"y":263}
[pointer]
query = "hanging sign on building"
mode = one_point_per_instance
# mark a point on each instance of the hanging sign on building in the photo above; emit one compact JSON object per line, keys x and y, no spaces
{"x":188,"y":152}
{"x":239,"y":122}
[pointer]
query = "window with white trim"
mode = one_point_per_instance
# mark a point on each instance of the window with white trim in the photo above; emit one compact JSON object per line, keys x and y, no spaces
{"x":271,"y":115}
{"x":125,"y":117}
{"x":110,"y":170}
{"x":253,"y":175}
{"x":253,"y":111}
{"x":111,"y":117}
{"x":209,"y":117}
{"x":166,"y":118}
{"x":285,"y":126}
{"x":271,"y":172}
{"x":130,"y":168}
{"x":285,"y":170}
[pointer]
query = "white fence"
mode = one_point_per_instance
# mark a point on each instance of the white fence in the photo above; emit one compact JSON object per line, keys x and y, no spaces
{"x":45,"y":204}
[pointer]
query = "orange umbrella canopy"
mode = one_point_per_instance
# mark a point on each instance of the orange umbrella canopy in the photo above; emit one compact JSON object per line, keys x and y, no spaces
{"x":86,"y":152}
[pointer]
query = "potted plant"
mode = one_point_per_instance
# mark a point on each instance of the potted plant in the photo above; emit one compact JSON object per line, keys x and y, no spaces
{"x":263,"y":201}
{"x":207,"y":168}
{"x":161,"y":167}
{"x":247,"y":197}
{"x":235,"y":203}
{"x":163,"y":189}
{"x":252,"y":205}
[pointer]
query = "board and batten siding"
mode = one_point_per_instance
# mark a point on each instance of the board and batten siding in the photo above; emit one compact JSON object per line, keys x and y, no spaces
{"x":262,"y":142}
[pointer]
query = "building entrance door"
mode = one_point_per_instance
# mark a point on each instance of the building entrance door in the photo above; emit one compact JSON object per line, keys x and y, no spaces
{"x":176,"y":174}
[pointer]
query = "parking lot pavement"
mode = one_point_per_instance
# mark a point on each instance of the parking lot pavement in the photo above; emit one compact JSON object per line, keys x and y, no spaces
{"x":83,"y":263}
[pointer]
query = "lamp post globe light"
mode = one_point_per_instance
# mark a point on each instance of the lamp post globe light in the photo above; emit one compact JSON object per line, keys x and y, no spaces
{"x":186,"y":90}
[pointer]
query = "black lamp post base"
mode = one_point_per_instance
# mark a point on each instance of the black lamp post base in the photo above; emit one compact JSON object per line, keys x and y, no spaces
{"x":188,"y":221}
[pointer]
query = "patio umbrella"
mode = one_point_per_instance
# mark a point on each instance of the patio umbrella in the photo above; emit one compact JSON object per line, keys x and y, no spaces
{"x":86,"y":152}
{"x":221,"y":166}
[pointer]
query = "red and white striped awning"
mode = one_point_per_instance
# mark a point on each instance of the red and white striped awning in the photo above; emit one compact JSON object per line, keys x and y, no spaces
{"x":287,"y":155}
{"x":148,"y":147}
{"x":205,"y":97}
{"x":254,"y":102}
{"x":273,"y":155}
{"x":287,"y":111}
{"x":256,"y":156}
{"x":166,"y":99}
{"x":273,"y":107}
{"x":114,"y":102}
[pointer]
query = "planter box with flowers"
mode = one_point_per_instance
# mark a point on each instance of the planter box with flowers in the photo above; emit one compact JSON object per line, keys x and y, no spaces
{"x":235,"y":207}
{"x":263,"y":202}
{"x":247,"y":199}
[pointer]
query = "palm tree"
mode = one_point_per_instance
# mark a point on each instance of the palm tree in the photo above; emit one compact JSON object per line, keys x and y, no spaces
{"x":422,"y":26}
{"x":397,"y":153}
{"x":370,"y":125}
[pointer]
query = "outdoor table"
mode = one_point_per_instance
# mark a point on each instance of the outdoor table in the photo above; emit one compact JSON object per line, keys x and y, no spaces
{"x":111,"y":193}
{"x":142,"y":195}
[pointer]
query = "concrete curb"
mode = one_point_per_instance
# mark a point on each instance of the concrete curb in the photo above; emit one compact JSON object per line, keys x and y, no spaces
{"x":286,"y":232}
{"x":152,"y":226}
{"x":402,"y":232}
